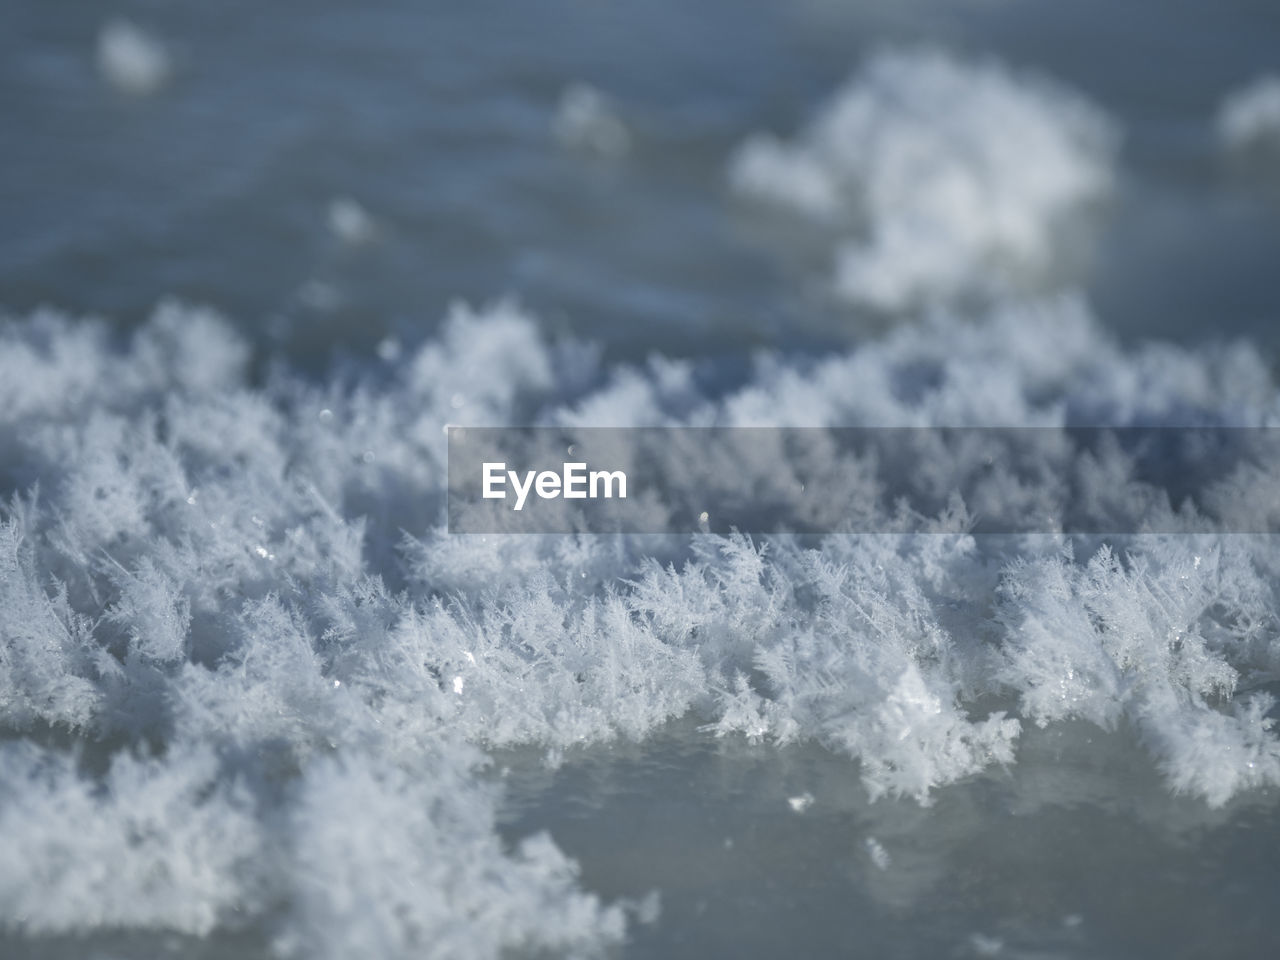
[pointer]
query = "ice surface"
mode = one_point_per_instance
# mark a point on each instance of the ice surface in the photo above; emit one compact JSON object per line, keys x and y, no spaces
{"x":944,"y":177}
{"x":279,"y":677}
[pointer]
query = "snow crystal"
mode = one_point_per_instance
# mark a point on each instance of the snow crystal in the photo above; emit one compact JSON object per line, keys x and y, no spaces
{"x":132,"y":60}
{"x":941,"y":175}
{"x":1251,"y":116}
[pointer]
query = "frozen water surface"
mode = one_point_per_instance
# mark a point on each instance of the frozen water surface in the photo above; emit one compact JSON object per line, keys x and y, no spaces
{"x":1076,"y":852}
{"x":256,"y":702}
{"x":441,"y":120}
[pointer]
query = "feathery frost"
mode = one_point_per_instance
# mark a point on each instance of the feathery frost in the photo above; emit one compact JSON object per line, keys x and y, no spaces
{"x":278,"y":676}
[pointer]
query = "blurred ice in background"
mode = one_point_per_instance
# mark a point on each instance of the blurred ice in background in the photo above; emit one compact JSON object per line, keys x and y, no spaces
{"x":449,"y":120}
{"x":1250,"y":116}
{"x":132,"y":60}
{"x":954,"y":176}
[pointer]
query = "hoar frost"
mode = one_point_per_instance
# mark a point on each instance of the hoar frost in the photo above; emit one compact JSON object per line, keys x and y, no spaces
{"x":273,"y":676}
{"x":943,"y":177}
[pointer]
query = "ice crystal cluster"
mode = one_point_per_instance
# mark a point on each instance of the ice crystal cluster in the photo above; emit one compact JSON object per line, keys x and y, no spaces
{"x":248,"y":681}
{"x":941,"y":177}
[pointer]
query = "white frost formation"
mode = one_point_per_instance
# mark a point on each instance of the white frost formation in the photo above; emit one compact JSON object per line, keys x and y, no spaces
{"x":586,"y":120}
{"x":280,"y":676}
{"x":940,"y":174}
{"x":350,"y":222}
{"x":1251,"y":116}
{"x":132,"y":60}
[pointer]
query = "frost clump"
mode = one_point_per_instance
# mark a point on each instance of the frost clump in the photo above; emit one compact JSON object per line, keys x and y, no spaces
{"x":160,"y":844}
{"x":131,"y":59}
{"x":936,"y":172}
{"x":586,"y":120}
{"x":350,"y":222}
{"x":1251,"y":116}
{"x":405,"y":864}
{"x":878,"y":854}
{"x":1162,"y":637}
